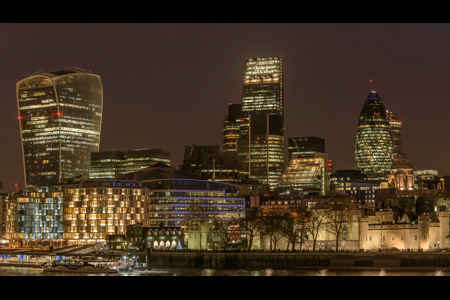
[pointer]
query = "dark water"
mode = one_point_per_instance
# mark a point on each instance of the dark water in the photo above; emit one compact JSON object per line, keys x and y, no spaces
{"x":15,"y":271}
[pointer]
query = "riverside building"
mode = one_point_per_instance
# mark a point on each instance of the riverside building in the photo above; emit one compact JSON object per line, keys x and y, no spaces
{"x":182,"y":201}
{"x":99,"y":207}
{"x":60,"y":115}
{"x":35,"y":217}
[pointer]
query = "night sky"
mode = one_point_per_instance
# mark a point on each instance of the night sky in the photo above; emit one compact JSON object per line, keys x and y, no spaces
{"x":169,"y":85}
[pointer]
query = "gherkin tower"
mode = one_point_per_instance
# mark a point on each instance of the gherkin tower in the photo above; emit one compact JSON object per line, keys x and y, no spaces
{"x":373,"y":146}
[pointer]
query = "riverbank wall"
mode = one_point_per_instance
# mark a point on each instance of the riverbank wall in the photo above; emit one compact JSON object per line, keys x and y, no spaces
{"x":296,"y":260}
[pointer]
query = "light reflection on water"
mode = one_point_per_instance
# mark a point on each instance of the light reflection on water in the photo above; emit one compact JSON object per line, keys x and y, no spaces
{"x":15,"y":271}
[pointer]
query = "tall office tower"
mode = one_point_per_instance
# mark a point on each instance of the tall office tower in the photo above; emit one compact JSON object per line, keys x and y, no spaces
{"x":396,"y":131}
{"x":231,"y":127}
{"x":261,"y":141}
{"x":60,"y":115}
{"x":106,"y":164}
{"x":373,"y":146}
{"x":305,"y":146}
{"x":138,"y":159}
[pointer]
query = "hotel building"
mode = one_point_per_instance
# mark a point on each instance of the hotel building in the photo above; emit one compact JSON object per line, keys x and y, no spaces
{"x":60,"y":115}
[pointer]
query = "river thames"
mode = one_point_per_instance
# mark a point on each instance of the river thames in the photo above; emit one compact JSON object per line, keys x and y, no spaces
{"x":19,"y":271}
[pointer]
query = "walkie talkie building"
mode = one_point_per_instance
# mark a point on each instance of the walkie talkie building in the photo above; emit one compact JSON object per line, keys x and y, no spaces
{"x":60,"y":116}
{"x":373,"y":146}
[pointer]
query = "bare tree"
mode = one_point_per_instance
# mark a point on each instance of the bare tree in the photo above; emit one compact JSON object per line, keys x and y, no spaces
{"x":317,"y":220}
{"x":272,"y":227}
{"x":252,"y":224}
{"x":294,"y":226}
{"x":222,"y":229}
{"x":335,"y":226}
{"x":198,"y":215}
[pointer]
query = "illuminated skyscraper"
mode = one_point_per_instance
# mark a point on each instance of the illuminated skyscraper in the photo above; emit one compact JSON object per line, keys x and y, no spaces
{"x":261,"y":143}
{"x":231,"y":127}
{"x":373,"y":146}
{"x":396,"y":131}
{"x":60,"y":116}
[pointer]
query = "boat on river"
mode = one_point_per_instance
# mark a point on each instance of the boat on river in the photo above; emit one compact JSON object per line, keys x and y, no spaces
{"x":76,"y":267}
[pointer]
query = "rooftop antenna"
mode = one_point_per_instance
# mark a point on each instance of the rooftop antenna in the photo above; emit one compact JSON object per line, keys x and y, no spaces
{"x":371,"y":85}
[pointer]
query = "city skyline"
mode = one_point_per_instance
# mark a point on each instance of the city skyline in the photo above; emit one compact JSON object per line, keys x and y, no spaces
{"x":325,"y":66}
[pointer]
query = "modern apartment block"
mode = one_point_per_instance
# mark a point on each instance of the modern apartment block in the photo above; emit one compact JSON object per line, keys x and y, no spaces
{"x":60,"y":116}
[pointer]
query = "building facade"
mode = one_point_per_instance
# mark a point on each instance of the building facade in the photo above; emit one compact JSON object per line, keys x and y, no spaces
{"x":60,"y":115}
{"x":373,"y":145}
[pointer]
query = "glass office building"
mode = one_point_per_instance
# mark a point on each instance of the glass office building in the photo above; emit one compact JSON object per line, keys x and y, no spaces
{"x":261,"y":142}
{"x":60,"y":116}
{"x":106,"y":164}
{"x":396,"y":131}
{"x":306,"y":174}
{"x":373,"y":154}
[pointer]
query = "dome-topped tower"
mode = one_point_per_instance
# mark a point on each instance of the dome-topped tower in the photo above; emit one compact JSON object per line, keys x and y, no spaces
{"x":373,"y":146}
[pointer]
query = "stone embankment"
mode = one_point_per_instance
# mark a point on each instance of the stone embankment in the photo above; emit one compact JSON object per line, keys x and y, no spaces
{"x":297,"y":260}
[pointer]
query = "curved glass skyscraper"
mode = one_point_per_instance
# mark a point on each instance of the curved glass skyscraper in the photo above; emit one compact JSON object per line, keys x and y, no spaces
{"x":60,"y":116}
{"x":373,"y":146}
